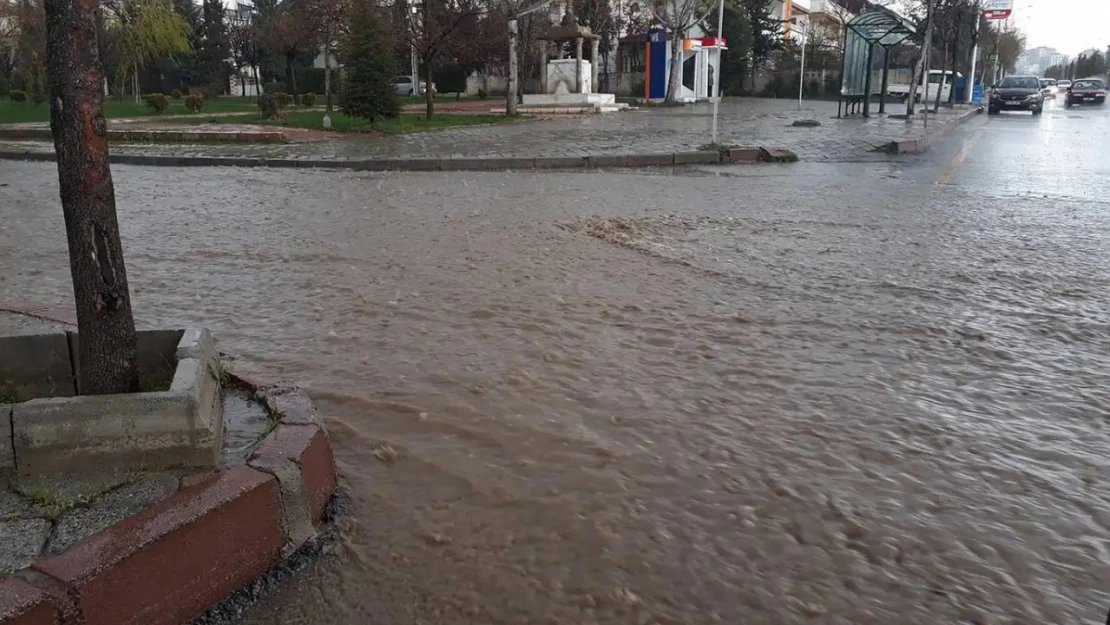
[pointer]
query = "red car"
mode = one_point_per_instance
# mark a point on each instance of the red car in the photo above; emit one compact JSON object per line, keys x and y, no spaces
{"x":1086,"y":91}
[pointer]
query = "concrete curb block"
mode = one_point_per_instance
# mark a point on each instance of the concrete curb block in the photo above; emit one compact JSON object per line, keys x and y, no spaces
{"x":172,"y":562}
{"x":696,"y":157}
{"x":918,"y":146}
{"x":155,"y":136}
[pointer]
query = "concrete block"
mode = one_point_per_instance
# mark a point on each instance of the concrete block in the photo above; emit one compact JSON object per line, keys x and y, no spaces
{"x":777,"y":155}
{"x":650,"y":160}
{"x":416,"y":164}
{"x":219,"y":535}
{"x":296,"y":512}
{"x":308,"y":447}
{"x":181,"y":426}
{"x":36,"y":365}
{"x":510,"y":163}
{"x":463,"y":164}
{"x":157,"y":360}
{"x":609,"y":160}
{"x":743,"y":155}
{"x":290,"y":405}
{"x":560,"y":162}
{"x":7,"y":450}
{"x":697,"y":157}
{"x":197,"y":343}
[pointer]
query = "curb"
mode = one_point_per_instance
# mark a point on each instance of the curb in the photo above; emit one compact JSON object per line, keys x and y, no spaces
{"x":694,"y":157}
{"x":155,"y":136}
{"x":172,"y":562}
{"x":918,"y":146}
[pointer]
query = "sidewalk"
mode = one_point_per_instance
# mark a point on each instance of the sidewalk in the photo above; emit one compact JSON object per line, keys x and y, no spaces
{"x":745,"y":122}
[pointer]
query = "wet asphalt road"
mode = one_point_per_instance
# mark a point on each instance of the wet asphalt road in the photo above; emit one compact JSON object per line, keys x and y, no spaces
{"x":825,"y":392}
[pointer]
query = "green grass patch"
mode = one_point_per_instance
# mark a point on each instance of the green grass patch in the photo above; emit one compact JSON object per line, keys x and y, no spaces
{"x":20,"y":112}
{"x":314,"y":120}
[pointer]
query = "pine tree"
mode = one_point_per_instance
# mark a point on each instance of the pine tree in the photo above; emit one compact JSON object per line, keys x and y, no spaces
{"x":738,"y":38}
{"x":368,"y":87}
{"x":765,"y":29}
{"x":214,"y":47}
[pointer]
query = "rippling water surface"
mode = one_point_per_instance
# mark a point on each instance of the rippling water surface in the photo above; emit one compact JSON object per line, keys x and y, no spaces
{"x":774,"y":398}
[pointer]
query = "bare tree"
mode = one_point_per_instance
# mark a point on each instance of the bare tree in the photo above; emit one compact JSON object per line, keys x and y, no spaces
{"x":108,"y":353}
{"x":515,"y":10}
{"x":679,"y":16}
{"x":439,"y":28}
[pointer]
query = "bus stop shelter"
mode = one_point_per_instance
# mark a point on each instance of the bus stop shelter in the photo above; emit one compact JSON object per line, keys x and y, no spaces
{"x":878,"y":28}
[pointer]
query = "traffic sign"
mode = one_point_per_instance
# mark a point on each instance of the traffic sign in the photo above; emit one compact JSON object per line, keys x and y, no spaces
{"x":997,"y":9}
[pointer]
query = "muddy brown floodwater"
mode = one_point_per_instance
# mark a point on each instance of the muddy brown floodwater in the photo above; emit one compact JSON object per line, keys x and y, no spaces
{"x":821,"y":405}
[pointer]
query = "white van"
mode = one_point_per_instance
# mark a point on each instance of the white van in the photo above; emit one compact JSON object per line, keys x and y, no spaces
{"x":936,"y":78}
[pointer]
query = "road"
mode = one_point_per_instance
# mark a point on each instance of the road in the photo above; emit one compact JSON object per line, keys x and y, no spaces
{"x":827,"y":392}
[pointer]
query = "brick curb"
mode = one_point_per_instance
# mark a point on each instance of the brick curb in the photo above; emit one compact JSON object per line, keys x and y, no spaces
{"x":156,"y":136}
{"x":693,"y":157}
{"x":174,"y":561}
{"x":917,"y":146}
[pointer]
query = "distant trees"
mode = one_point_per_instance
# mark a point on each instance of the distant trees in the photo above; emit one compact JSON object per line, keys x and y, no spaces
{"x":147,"y":30}
{"x":368,"y":48}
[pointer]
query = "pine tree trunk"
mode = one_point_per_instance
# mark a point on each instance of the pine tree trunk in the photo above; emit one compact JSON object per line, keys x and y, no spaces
{"x":108,"y":354}
{"x":514,"y":68}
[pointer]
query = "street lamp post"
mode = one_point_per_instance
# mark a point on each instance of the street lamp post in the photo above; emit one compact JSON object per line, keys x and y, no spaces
{"x":802,"y":73}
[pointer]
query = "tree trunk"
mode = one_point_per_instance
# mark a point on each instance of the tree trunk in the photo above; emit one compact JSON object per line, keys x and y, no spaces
{"x":108,"y":353}
{"x":429,"y":96}
{"x":943,"y":78}
{"x":289,"y":58}
{"x":956,"y":60}
{"x":674,"y":82}
{"x":514,"y":70}
{"x":135,"y":84}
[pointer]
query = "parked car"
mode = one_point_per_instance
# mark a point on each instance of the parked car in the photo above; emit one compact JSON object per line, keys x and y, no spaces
{"x":936,"y":77}
{"x":1020,"y":93}
{"x":1048,"y":88}
{"x":1062,"y":85}
{"x":403,"y":86}
{"x":1086,"y":91}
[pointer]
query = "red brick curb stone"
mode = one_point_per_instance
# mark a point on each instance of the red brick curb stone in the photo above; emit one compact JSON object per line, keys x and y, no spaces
{"x":217,"y":541}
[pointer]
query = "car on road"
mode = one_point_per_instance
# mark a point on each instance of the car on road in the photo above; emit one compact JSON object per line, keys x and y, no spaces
{"x":1062,"y":85}
{"x":403,"y":86}
{"x":1017,"y":93}
{"x":1086,"y":91}
{"x":1049,"y":88}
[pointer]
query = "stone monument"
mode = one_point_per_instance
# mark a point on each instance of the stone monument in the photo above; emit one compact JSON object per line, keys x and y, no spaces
{"x":568,"y":85}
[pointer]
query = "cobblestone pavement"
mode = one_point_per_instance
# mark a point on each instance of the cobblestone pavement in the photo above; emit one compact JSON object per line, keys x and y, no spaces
{"x":748,"y":121}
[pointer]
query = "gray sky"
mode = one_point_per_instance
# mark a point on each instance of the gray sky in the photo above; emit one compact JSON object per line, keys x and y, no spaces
{"x":1070,"y":26}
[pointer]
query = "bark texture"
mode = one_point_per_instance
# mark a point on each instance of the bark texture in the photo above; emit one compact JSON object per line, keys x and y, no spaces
{"x":108,"y":353}
{"x":514,"y":69}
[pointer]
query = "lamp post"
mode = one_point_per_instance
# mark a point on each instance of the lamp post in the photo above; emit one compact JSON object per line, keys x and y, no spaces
{"x":802,"y":73}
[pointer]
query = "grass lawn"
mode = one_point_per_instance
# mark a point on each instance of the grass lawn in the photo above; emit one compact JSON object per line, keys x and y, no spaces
{"x":13,"y":112}
{"x":314,"y":120}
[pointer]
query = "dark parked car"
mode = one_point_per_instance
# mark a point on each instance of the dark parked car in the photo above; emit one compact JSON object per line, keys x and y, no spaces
{"x":1086,"y":91}
{"x":1017,"y":93}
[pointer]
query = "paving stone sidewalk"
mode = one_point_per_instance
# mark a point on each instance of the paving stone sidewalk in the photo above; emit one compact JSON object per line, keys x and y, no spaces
{"x":744,"y":121}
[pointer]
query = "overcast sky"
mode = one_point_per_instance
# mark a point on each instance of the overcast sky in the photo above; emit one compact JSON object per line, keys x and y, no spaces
{"x":1070,"y":26}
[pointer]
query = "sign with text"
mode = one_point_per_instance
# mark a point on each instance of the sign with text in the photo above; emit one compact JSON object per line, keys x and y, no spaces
{"x":997,"y":9}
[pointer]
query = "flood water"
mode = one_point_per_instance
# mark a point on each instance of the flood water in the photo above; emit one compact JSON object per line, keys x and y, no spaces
{"x":798,"y":401}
